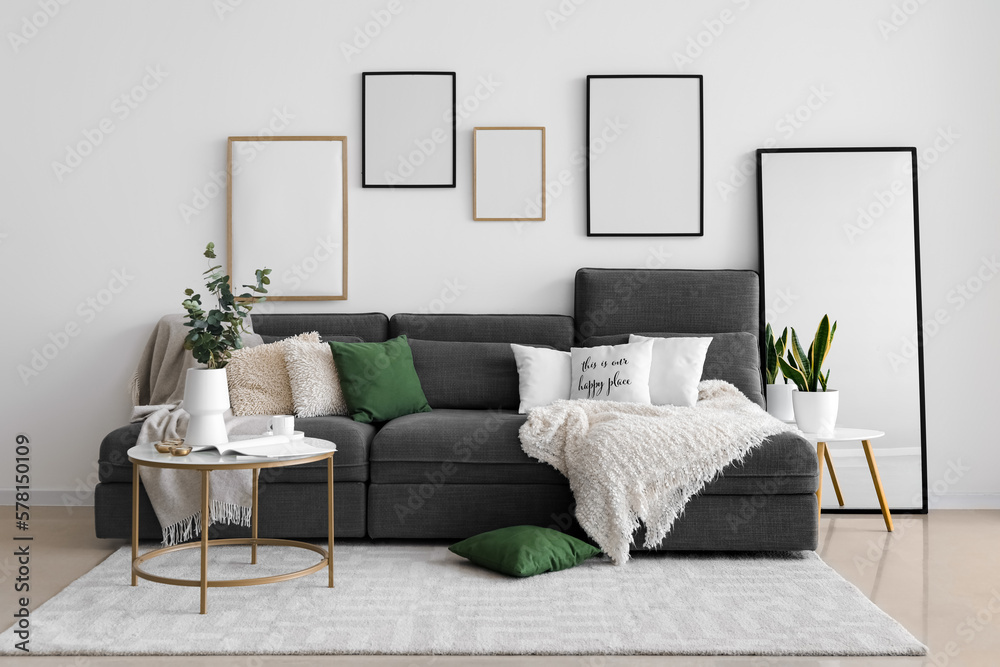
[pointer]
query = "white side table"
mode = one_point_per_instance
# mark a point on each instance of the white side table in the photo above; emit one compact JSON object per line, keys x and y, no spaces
{"x":865,"y":435}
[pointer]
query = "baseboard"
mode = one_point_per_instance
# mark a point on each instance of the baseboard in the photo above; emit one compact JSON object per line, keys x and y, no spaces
{"x":50,"y":498}
{"x":965,"y":501}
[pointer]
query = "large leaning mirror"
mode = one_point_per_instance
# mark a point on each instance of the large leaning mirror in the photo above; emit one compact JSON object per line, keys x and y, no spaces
{"x":288,"y":212}
{"x":839,"y":235}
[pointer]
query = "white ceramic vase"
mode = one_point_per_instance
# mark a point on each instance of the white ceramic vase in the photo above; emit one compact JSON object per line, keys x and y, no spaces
{"x":206,"y":399}
{"x":816,"y":411}
{"x":779,"y":401}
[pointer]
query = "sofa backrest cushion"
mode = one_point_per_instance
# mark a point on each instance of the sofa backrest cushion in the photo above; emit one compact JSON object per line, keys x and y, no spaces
{"x":555,"y":331}
{"x":339,"y":327}
{"x":466,"y":375}
{"x":733,"y":357}
{"x":624,"y":301}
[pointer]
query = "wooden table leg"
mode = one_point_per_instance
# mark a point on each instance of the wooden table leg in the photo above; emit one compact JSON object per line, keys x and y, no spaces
{"x":833,"y":475}
{"x":878,"y":484}
{"x":820,"y":456}
{"x":204,"y":540}
{"x":135,"y":519}
{"x":329,"y":527}
{"x":253,"y":518}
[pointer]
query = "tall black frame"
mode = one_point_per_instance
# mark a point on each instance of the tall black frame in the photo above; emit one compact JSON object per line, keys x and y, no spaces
{"x":912,"y":151}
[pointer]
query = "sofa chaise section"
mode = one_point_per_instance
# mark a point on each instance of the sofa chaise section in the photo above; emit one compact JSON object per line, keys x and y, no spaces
{"x":767,"y":502}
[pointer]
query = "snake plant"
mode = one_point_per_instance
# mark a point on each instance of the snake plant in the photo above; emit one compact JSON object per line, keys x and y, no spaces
{"x":774,"y":349}
{"x":806,"y":370}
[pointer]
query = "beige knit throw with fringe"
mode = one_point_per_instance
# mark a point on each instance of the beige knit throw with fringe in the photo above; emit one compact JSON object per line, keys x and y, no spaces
{"x":157,"y":392}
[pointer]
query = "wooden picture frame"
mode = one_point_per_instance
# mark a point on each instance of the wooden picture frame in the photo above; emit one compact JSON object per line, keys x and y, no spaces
{"x":408,"y":135}
{"x":645,"y":155}
{"x":508,"y":173}
{"x":287,"y":211}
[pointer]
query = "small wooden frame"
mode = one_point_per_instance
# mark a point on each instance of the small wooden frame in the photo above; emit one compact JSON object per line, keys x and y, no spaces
{"x":508,"y":173}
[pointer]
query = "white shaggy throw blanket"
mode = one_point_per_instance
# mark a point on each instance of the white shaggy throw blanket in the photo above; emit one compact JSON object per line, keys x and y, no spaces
{"x":628,"y":462}
{"x":157,"y":391}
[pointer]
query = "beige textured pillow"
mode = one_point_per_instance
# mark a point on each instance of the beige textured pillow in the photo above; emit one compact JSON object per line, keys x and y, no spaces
{"x":314,"y":380}
{"x":258,"y":380}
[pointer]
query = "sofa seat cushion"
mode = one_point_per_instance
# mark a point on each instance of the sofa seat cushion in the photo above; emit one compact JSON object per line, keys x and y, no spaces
{"x":350,"y":463}
{"x":783,"y":464}
{"x":456,"y":447}
{"x":482,"y":447}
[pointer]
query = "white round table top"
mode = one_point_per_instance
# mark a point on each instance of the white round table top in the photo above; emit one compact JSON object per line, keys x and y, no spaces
{"x":843,"y":434}
{"x":210,"y":457}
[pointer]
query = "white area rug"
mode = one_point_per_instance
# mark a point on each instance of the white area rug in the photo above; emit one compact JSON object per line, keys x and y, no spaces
{"x":422,"y":599}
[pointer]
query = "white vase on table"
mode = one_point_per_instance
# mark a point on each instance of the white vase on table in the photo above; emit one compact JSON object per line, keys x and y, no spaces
{"x":816,"y":411}
{"x":779,"y":401}
{"x":206,"y":399}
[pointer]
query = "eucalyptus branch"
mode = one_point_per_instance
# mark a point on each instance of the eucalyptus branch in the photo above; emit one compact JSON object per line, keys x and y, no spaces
{"x":216,"y":333}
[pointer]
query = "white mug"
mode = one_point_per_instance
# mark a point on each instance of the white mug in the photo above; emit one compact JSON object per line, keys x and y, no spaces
{"x":282,"y":425}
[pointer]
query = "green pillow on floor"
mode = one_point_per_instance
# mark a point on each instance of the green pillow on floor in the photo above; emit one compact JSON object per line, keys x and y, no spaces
{"x":524,"y":551}
{"x":378,"y":380}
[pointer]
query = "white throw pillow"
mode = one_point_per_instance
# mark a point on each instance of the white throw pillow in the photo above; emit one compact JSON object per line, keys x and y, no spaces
{"x":313,"y":377}
{"x":612,"y":372}
{"x":676,"y":369}
{"x":543,"y":375}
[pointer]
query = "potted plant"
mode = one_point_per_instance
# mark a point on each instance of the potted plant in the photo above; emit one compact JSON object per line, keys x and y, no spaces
{"x":815,"y":405}
{"x":212,"y":338}
{"x":779,"y":396}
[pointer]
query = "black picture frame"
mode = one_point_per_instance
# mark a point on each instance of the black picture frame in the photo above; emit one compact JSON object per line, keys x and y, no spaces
{"x":375,"y":157}
{"x":675,"y":181}
{"x":918,"y":294}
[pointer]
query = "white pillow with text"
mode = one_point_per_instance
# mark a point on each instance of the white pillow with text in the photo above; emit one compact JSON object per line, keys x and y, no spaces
{"x":612,"y":372}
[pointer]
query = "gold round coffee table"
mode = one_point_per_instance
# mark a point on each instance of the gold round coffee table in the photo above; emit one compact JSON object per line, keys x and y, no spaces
{"x":205,"y":462}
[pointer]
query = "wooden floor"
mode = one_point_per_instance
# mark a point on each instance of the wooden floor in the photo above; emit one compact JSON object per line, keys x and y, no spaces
{"x":938,"y":575}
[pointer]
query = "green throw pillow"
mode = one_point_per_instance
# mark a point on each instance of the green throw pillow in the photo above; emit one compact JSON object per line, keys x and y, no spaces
{"x":378,"y":380}
{"x":524,"y":551}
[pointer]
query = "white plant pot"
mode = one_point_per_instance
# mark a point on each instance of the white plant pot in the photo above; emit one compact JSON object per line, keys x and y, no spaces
{"x":206,"y":398}
{"x":816,"y":411}
{"x":779,"y":401}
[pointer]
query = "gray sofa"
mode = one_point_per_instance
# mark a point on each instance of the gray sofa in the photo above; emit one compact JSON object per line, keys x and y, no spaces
{"x":459,"y":470}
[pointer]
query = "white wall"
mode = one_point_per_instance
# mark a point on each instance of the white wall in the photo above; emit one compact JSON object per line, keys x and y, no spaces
{"x":931,"y":83}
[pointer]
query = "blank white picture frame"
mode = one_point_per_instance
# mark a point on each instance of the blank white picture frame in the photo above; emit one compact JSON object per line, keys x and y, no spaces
{"x":287,"y":211}
{"x":508,"y":173}
{"x":645,"y":156}
{"x":408,"y":130}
